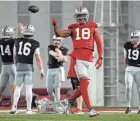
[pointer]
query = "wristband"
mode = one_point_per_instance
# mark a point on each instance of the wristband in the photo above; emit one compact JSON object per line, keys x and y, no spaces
{"x":101,"y":58}
{"x":41,"y":70}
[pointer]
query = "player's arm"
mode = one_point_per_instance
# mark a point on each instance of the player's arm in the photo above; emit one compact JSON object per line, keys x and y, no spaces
{"x":124,"y":51}
{"x":14,"y":54}
{"x":20,"y":27}
{"x":54,"y":54}
{"x":58,"y":32}
{"x":63,"y":57}
{"x":99,"y":43}
{"x":39,"y":62}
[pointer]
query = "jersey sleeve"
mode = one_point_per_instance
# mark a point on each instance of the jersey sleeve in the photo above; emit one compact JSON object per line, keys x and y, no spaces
{"x":37,"y":51}
{"x":95,"y":25}
{"x":124,"y":49}
{"x":50,"y":48}
{"x":37,"y":44}
{"x":70,"y":27}
{"x":65,"y":51}
{"x":125,"y":46}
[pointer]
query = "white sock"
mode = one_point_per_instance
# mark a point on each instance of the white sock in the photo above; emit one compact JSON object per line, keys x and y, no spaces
{"x":29,"y":96}
{"x":16,"y":96}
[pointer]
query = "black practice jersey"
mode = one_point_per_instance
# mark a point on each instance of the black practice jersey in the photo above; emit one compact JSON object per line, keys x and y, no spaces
{"x":52,"y":62}
{"x":132,"y":54}
{"x":6,"y":49}
{"x":25,"y":49}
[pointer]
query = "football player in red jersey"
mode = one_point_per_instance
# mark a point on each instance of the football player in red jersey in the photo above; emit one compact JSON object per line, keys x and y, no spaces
{"x":83,"y":34}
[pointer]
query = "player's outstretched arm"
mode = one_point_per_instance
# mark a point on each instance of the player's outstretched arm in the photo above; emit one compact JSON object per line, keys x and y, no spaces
{"x":99,"y":44}
{"x":58,"y":32}
{"x":124,"y":57}
{"x":39,"y":63}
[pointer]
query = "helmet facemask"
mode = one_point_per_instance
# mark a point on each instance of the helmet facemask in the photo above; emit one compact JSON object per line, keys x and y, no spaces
{"x":135,"y":37}
{"x":81,"y":15}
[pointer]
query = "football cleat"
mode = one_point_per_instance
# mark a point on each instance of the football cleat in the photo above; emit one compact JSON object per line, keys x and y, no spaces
{"x":29,"y":112}
{"x":128,"y":110}
{"x":67,"y":107}
{"x":14,"y":112}
{"x":138,"y":111}
{"x":92,"y":113}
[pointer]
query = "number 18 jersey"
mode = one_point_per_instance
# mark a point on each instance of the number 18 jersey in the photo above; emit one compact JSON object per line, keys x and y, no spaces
{"x":25,"y":49}
{"x":132,"y":54}
{"x":83,"y":40}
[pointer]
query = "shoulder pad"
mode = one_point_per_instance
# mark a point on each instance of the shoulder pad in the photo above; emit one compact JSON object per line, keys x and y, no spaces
{"x":71,"y":26}
{"x":93,"y":24}
{"x":126,"y":44}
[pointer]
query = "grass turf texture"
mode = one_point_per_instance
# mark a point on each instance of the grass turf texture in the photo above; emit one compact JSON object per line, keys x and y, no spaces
{"x":57,"y":117}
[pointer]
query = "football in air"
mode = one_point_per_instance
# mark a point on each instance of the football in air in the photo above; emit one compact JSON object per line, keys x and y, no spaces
{"x":33,"y":8}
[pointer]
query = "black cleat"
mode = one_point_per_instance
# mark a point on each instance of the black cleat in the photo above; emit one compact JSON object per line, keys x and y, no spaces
{"x":138,"y":111}
{"x":128,"y":110}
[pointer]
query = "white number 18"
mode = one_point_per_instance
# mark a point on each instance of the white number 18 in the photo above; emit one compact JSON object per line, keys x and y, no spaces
{"x":85,"y":31}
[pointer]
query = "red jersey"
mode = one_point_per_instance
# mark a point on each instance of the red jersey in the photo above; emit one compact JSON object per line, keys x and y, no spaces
{"x":83,"y":40}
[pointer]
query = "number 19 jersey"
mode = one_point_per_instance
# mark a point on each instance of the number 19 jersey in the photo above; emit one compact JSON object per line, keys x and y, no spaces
{"x":132,"y":54}
{"x":6,"y":50}
{"x":25,"y":49}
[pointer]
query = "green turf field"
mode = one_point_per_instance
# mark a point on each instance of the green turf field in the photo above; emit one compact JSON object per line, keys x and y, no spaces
{"x":52,"y":117}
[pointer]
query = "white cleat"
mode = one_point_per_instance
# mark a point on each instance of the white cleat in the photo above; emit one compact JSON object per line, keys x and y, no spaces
{"x":29,"y":112}
{"x":67,"y":107}
{"x":92,"y":113}
{"x":14,"y":112}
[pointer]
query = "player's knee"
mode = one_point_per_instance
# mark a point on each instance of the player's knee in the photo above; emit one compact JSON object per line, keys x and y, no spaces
{"x":128,"y":87}
{"x":50,"y":92}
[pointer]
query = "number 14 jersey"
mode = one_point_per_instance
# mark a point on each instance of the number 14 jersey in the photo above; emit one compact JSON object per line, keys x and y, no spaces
{"x":6,"y":50}
{"x":132,"y":54}
{"x":25,"y":49}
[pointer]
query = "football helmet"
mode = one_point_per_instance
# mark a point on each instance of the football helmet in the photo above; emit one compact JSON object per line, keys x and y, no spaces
{"x":8,"y":31}
{"x":81,"y":14}
{"x":57,"y":41}
{"x":57,"y":38}
{"x":28,"y":30}
{"x":135,"y":36}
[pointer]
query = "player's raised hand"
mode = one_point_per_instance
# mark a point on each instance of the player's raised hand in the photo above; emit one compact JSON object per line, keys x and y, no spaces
{"x":20,"y":26}
{"x":98,"y":63}
{"x":54,"y":21}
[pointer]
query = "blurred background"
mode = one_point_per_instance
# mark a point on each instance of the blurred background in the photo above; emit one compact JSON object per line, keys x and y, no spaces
{"x":116,"y":19}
